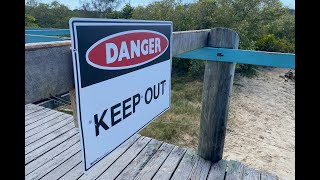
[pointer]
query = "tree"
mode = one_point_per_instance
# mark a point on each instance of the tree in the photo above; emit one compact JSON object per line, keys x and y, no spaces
{"x":127,"y":11}
{"x":101,"y":7}
{"x":30,"y":21}
{"x":271,"y":43}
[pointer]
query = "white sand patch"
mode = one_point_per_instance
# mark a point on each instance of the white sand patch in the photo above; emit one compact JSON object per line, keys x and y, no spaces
{"x":261,"y":126}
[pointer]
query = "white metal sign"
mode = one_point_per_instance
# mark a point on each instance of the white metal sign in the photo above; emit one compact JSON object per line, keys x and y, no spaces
{"x":122,"y":73}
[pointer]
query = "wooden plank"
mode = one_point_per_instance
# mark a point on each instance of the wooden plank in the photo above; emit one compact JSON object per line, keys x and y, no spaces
{"x":47,"y":125}
{"x":184,"y":169}
{"x":49,"y":130}
{"x":106,"y":162}
{"x":28,"y":105}
{"x":218,"y":170}
{"x":31,"y":108}
{"x":194,"y":167}
{"x":41,"y":111}
{"x":72,"y":94}
{"x":184,"y":41}
{"x":261,"y":58}
{"x":217,"y":86}
{"x":39,"y":117}
{"x":38,"y":162}
{"x":43,"y":140}
{"x":121,"y":163}
{"x":64,"y":167}
{"x":74,"y":173}
{"x":201,"y":171}
{"x":170,"y":164}
{"x":50,"y":145}
{"x":250,"y":174}
{"x":151,"y":168}
{"x":234,"y":170}
{"x":268,"y":176}
{"x":43,"y":81}
{"x":56,"y":162}
{"x":45,"y":120}
{"x":131,"y":171}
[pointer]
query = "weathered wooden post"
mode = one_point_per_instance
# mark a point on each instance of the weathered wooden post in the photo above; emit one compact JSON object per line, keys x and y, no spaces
{"x":72,"y":95}
{"x":217,"y":86}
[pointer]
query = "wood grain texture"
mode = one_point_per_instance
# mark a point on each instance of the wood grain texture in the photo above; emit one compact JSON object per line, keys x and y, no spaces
{"x":234,"y":171}
{"x":250,"y":174}
{"x":74,"y":173}
{"x":46,"y":126}
{"x":72,"y":95}
{"x":39,"y":117}
{"x":64,"y":168}
{"x":118,"y":166}
{"x":51,"y":117}
{"x":268,"y":176}
{"x":56,"y":151}
{"x":106,"y":162}
{"x":217,"y":86}
{"x":49,"y":130}
{"x":31,"y":108}
{"x":218,"y":170}
{"x":184,"y":169}
{"x":201,"y":170}
{"x":41,"y":111}
{"x":169,"y":166}
{"x":41,"y":79}
{"x":50,"y":145}
{"x":131,"y":171}
{"x":55,"y":162}
{"x":30,"y":146}
{"x":155,"y":162}
{"x":184,"y":41}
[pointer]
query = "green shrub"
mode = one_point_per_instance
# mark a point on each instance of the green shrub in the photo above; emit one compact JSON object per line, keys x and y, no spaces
{"x":180,"y":66}
{"x":247,"y":70}
{"x":196,"y":68}
{"x":271,"y":43}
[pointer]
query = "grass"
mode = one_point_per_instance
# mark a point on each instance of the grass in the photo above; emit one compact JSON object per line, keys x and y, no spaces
{"x":246,"y":70}
{"x":65,"y":109}
{"x":180,"y":124}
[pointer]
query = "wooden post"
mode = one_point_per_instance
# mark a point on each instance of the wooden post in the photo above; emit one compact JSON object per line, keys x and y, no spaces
{"x":72,"y":95}
{"x":217,"y":86}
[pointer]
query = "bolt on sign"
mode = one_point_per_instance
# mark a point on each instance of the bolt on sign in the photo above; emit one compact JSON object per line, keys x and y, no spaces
{"x":122,"y":74}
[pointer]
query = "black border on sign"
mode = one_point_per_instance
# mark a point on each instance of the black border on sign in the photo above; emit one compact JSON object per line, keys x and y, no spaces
{"x":74,"y":54}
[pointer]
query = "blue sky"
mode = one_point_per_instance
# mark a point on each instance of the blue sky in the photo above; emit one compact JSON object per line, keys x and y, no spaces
{"x":73,"y":4}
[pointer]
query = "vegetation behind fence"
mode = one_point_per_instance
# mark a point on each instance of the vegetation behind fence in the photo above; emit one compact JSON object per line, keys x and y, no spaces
{"x":261,"y":25}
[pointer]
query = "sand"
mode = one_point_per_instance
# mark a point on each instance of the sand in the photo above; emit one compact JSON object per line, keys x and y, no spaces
{"x":261,"y":125}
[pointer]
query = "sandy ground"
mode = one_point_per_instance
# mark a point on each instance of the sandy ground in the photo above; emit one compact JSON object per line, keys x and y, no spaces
{"x":261,"y":126}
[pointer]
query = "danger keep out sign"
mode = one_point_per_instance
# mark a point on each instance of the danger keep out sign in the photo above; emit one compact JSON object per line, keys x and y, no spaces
{"x":122,"y":72}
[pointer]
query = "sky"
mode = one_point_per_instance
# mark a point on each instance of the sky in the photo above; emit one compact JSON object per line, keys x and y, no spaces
{"x":74,"y":4}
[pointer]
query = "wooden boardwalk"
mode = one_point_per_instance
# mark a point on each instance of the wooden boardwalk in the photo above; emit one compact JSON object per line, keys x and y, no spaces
{"x":52,"y":151}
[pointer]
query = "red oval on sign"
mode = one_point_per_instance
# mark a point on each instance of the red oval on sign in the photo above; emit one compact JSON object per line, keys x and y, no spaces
{"x":127,"y":49}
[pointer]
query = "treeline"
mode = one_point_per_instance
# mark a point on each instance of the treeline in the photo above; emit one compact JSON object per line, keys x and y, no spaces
{"x":264,"y":25}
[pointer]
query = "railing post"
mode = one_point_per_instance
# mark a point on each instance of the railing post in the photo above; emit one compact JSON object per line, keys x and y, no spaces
{"x":72,"y":95}
{"x":217,"y":86}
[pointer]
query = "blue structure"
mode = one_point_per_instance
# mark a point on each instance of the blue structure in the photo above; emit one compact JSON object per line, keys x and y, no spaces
{"x":38,"y":38}
{"x":33,"y":35}
{"x":283,"y":60}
